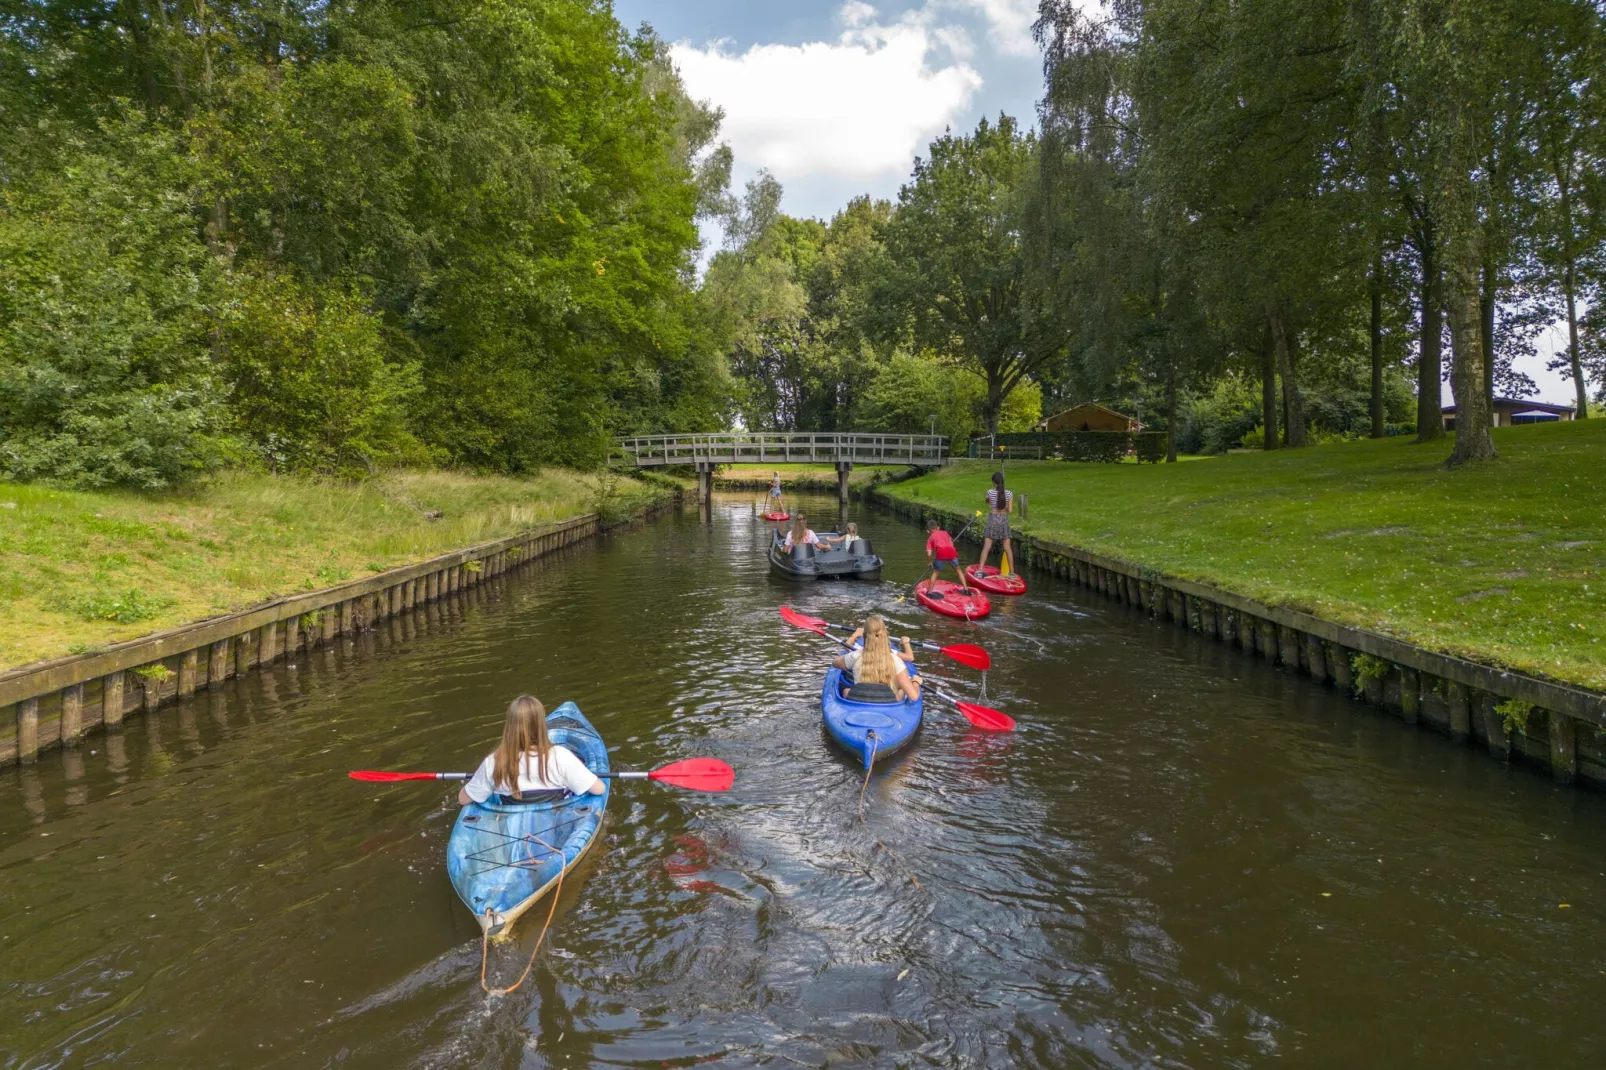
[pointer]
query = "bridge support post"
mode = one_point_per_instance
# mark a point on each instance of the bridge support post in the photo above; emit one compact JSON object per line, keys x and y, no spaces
{"x":705,"y":488}
{"x":843,"y":468}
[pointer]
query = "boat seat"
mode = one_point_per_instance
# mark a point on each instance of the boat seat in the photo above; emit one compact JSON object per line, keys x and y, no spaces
{"x":529,"y":797}
{"x":871,"y":693}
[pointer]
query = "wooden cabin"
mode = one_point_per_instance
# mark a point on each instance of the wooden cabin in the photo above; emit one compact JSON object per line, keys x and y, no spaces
{"x":1510,"y":412}
{"x":1089,"y":416}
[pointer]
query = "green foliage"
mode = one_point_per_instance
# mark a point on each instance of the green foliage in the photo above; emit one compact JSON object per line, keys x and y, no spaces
{"x":155,"y":672}
{"x":313,"y":388}
{"x":1367,"y":669}
{"x":902,"y":394}
{"x":1514,"y":713}
{"x":104,"y":286}
{"x":1107,"y":447}
{"x":128,"y":607}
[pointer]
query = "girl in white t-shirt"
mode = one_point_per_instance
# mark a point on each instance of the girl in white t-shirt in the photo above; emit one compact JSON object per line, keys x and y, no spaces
{"x":528,"y":760}
{"x":877,"y":663}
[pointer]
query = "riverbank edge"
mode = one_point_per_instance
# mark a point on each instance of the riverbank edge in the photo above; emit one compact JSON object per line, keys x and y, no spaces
{"x":1514,"y":716}
{"x":55,"y":703}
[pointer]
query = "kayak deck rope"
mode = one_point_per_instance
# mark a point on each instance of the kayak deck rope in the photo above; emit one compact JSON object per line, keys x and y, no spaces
{"x":869,"y":766}
{"x":485,"y":936}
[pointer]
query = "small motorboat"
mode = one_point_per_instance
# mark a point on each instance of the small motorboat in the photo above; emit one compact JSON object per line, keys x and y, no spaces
{"x":855,"y":560}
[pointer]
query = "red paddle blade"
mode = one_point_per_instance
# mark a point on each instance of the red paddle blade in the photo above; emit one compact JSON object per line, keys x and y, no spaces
{"x":802,"y":620}
{"x":986,"y":717}
{"x":969,"y":655}
{"x":379,"y":776}
{"x":696,"y":774}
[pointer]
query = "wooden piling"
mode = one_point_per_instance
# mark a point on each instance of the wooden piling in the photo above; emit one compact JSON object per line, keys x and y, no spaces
{"x":1410,"y":695}
{"x":189,"y":664}
{"x":111,"y":701}
{"x":72,"y":714}
{"x":1459,"y":709}
{"x":217,"y":666}
{"x":151,"y":689}
{"x":1288,"y":646}
{"x":1343,"y":670}
{"x":1494,"y":727}
{"x":268,"y":644}
{"x":1316,"y":657}
{"x":28,"y":731}
{"x":242,"y":654}
{"x":1563,"y":748}
{"x":331,"y":622}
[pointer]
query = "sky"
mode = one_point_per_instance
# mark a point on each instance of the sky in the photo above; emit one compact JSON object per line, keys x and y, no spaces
{"x":837,"y":97}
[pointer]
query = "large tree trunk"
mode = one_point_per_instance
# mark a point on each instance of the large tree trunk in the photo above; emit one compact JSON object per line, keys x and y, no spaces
{"x":1268,"y":392}
{"x":1293,"y":400}
{"x":994,"y":405}
{"x":1569,"y":285}
{"x":1430,"y":346}
{"x":1170,"y":412}
{"x":1486,"y":300}
{"x":1378,"y":428}
{"x":1473,"y":414}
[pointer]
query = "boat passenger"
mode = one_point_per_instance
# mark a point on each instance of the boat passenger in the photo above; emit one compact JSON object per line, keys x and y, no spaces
{"x":800,"y":534}
{"x":942,"y":553}
{"x":999,"y":503}
{"x":838,"y":542}
{"x":528,"y":760}
{"x":876,"y":663}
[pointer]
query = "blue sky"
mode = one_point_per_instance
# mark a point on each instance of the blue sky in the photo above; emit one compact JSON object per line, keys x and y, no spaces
{"x":837,"y":97}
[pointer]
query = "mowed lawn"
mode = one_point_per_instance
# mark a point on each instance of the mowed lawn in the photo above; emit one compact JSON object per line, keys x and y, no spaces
{"x":797,"y":476}
{"x":1504,"y":563}
{"x":81,"y":570}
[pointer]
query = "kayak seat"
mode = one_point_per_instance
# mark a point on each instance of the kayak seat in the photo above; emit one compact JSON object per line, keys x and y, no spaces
{"x":555,"y":795}
{"x":871,"y":693}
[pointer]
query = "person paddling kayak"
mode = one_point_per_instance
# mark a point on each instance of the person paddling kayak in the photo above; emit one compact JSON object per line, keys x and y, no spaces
{"x":875,"y":663}
{"x":527,"y":760}
{"x":942,"y":553}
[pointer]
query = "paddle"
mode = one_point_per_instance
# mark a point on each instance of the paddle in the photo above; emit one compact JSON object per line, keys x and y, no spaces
{"x":904,"y":597}
{"x":980,"y":716}
{"x":693,"y":774}
{"x":966,"y":654}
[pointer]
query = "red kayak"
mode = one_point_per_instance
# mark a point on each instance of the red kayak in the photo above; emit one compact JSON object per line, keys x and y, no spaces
{"x":777,"y":516}
{"x":951,"y":600}
{"x":989,"y":578}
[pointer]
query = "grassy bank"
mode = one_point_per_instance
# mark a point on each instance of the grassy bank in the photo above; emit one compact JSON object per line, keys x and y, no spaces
{"x":1504,"y":563}
{"x":80,"y":570}
{"x":801,"y":476}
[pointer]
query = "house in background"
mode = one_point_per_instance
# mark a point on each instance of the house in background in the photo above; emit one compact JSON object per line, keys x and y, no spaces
{"x":1509,"y":412}
{"x":1089,"y":416}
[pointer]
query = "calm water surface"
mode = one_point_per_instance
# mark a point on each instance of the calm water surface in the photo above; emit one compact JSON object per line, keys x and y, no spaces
{"x":1184,"y":858}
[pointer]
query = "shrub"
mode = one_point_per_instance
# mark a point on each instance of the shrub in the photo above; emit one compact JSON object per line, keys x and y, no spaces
{"x":105,"y":371}
{"x":314,"y":387}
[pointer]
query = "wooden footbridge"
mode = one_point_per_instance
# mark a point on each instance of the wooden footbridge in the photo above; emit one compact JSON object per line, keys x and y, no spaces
{"x":705,"y":452}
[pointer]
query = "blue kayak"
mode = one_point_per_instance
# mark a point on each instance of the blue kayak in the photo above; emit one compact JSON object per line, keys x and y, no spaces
{"x":868,"y":730}
{"x":504,"y":855}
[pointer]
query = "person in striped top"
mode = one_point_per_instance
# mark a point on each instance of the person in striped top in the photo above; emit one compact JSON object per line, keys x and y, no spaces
{"x":1000,"y":502}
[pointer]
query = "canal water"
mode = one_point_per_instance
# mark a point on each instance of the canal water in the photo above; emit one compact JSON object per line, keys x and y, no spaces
{"x":1184,"y":858}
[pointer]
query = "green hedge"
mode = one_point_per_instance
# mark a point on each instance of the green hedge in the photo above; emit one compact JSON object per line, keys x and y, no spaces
{"x":1106,"y":446}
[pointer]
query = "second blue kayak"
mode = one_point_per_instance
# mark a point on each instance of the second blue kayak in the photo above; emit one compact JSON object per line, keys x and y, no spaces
{"x":503,"y":855}
{"x":868,"y":730}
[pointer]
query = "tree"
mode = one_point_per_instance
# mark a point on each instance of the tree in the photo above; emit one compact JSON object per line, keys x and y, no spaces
{"x":955,"y":247}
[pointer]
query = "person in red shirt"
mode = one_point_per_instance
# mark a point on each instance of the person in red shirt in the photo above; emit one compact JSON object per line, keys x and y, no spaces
{"x":942,"y":553}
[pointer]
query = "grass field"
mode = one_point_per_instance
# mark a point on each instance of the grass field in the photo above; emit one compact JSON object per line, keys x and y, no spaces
{"x":81,"y":570}
{"x":1504,"y":563}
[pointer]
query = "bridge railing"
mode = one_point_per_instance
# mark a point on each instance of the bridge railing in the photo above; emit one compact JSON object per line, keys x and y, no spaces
{"x":782,"y":447}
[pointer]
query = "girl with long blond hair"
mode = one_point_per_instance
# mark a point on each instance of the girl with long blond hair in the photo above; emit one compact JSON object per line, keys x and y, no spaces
{"x":800,"y":533}
{"x":527,"y":760}
{"x":876,"y":662}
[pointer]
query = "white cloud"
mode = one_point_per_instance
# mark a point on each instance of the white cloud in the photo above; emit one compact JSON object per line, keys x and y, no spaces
{"x":860,"y":107}
{"x":1009,"y":22}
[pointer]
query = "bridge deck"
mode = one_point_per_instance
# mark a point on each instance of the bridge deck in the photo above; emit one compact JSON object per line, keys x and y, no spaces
{"x":803,"y":447}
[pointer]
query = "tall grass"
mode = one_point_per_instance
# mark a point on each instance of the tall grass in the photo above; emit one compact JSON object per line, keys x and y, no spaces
{"x":81,"y":570}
